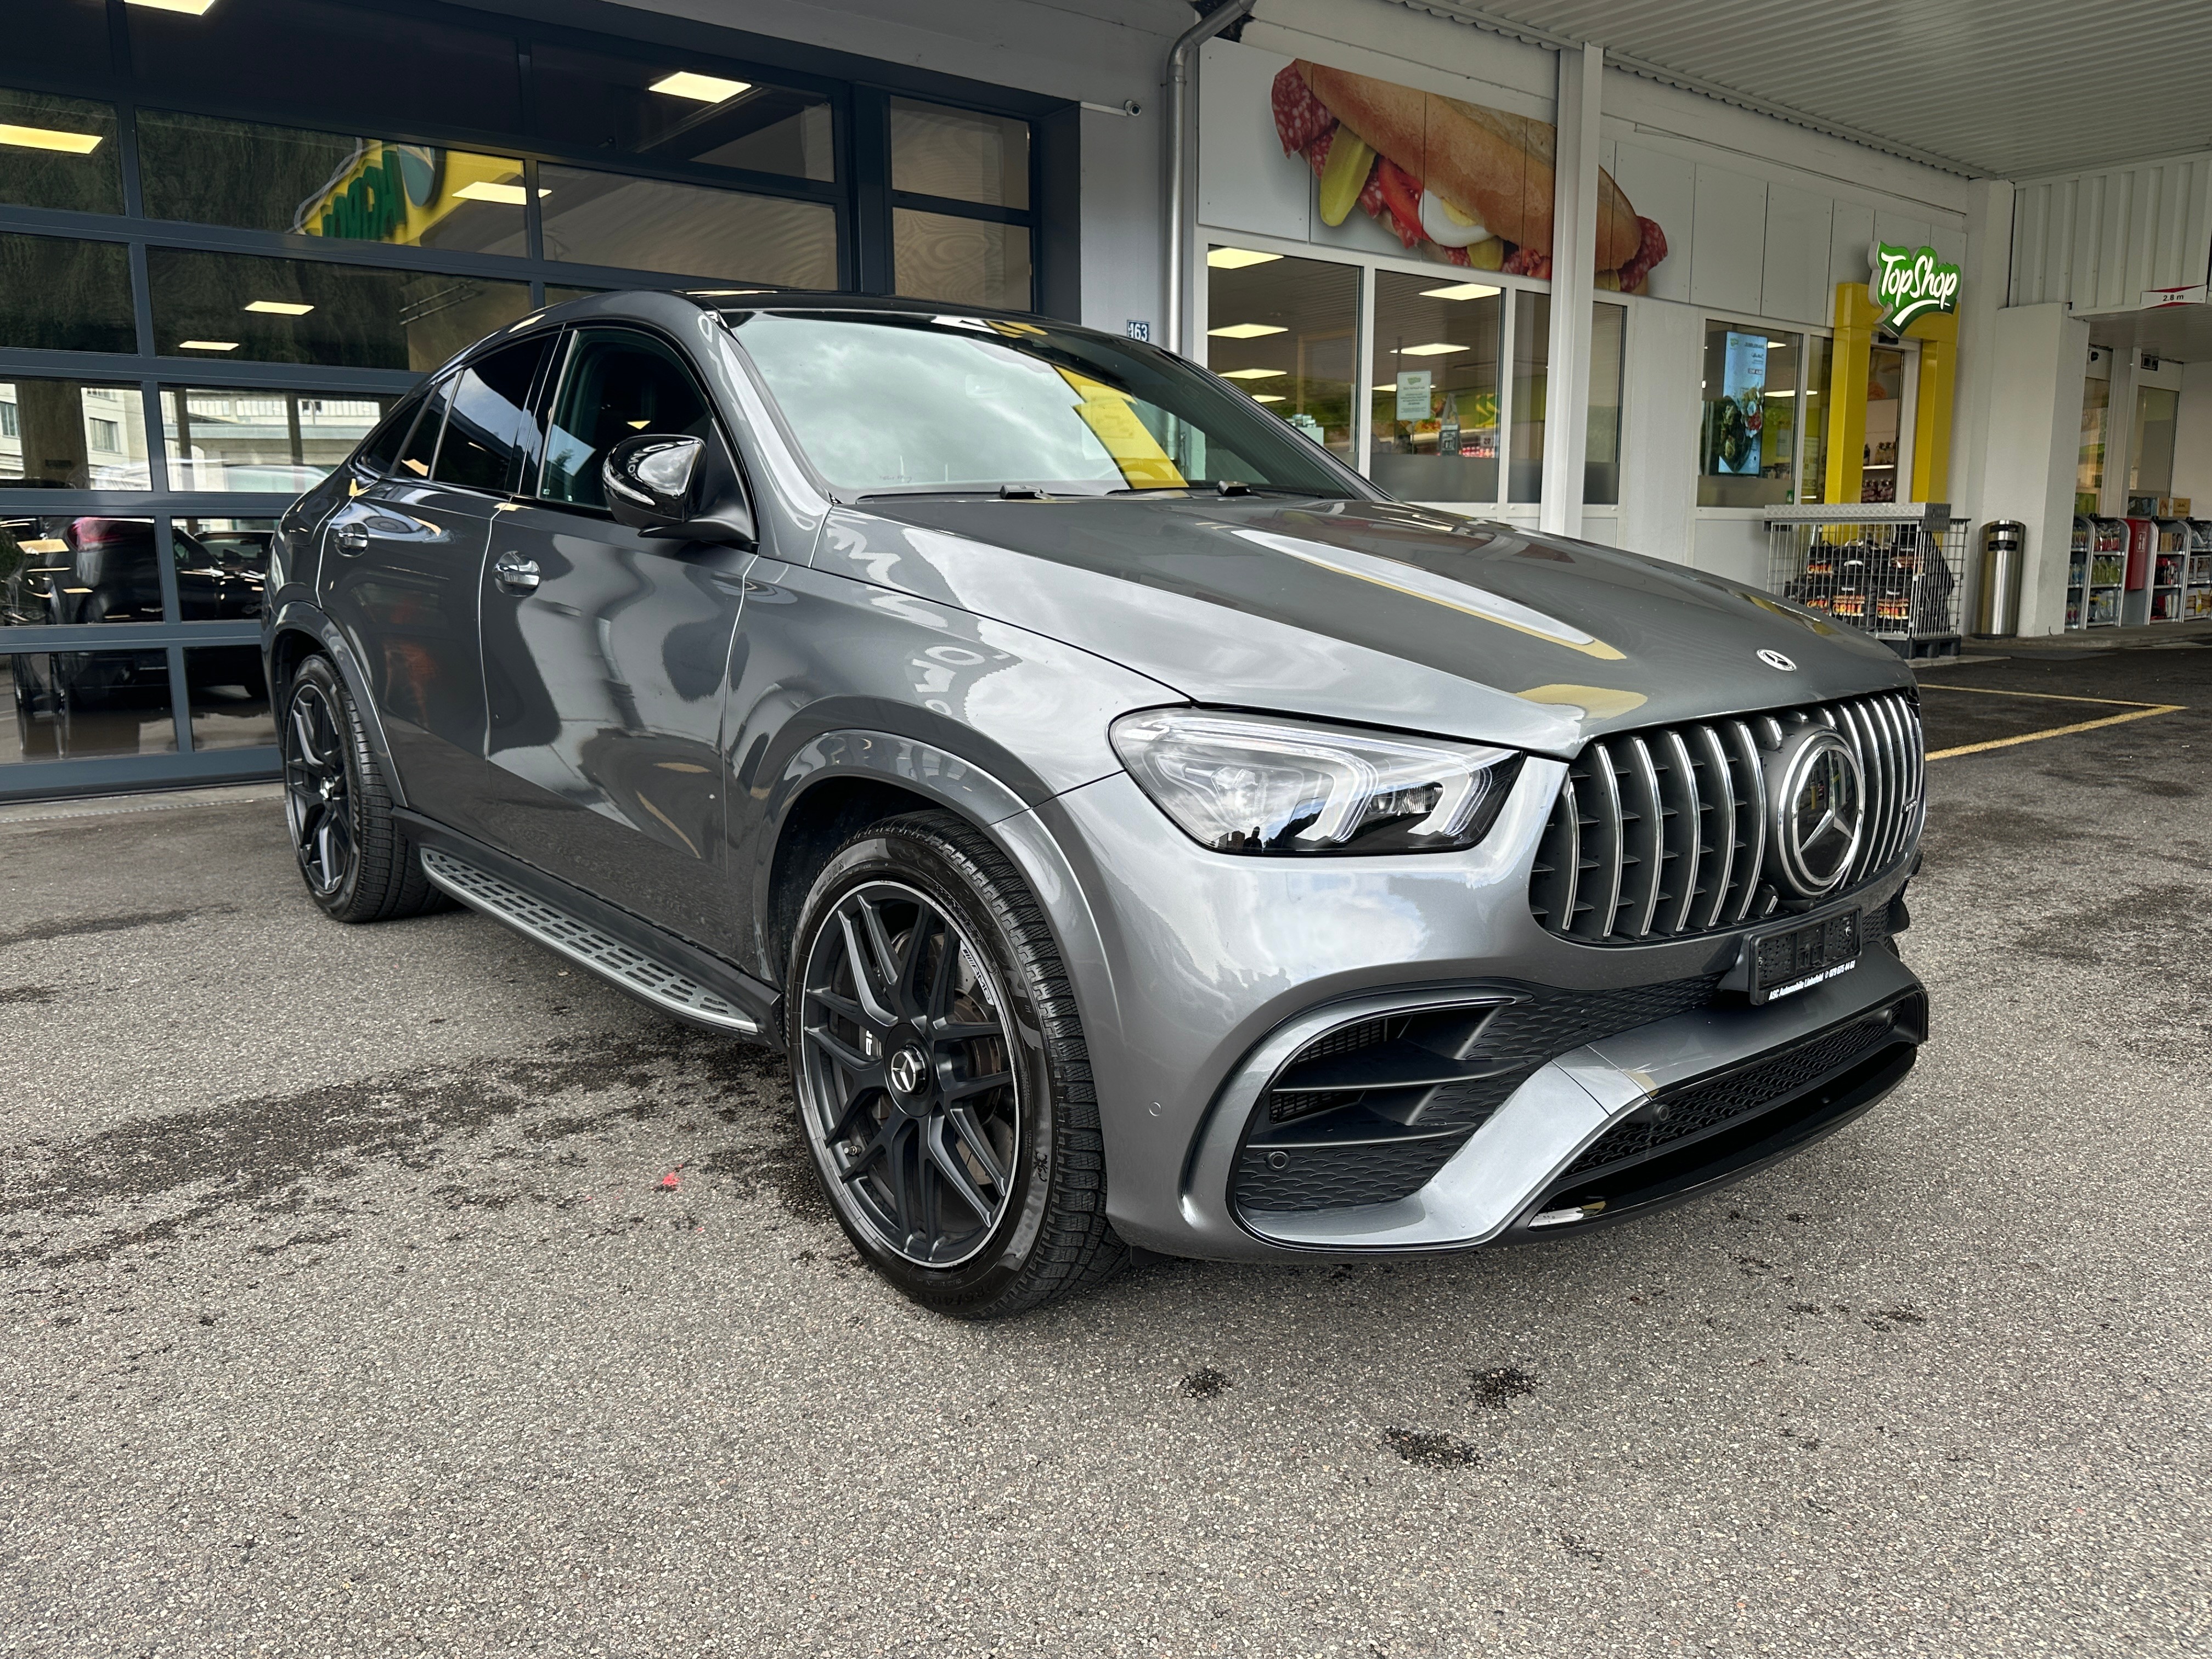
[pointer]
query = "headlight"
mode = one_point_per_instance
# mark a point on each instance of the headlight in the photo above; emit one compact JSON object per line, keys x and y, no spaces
{"x":1260,"y":783}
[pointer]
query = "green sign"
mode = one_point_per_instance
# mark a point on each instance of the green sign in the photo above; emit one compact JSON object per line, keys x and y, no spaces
{"x":1909,"y":282}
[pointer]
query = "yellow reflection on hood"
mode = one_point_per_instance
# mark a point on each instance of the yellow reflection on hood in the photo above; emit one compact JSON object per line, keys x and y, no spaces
{"x":1594,"y":702}
{"x":1417,"y":583}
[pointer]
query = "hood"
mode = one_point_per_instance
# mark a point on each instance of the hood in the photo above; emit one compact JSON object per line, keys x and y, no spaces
{"x":1368,"y":611}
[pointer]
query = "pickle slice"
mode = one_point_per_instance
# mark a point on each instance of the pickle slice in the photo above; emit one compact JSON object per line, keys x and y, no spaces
{"x":1351,"y":159}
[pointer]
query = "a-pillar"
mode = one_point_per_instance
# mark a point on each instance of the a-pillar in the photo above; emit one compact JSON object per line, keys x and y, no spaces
{"x":1574,"y":278}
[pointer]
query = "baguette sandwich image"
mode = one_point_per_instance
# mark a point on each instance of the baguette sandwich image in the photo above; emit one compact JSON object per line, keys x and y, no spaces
{"x":1474,"y":183}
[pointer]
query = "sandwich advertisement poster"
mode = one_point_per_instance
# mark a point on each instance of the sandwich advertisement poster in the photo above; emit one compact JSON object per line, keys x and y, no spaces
{"x":1454,"y":181}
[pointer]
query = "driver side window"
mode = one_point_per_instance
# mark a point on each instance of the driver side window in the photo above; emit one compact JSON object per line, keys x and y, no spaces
{"x":616,"y":384}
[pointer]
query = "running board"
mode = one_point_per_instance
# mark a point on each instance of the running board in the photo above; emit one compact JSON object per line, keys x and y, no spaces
{"x":666,"y":987}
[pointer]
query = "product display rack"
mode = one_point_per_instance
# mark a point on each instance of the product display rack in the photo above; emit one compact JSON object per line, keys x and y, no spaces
{"x":2096,"y":572}
{"x":2197,"y":588}
{"x":1885,"y":571}
{"x":2169,"y":570}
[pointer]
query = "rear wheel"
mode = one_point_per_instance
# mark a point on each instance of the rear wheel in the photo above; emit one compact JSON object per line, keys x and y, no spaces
{"x":358,"y":863}
{"x":941,"y":1074}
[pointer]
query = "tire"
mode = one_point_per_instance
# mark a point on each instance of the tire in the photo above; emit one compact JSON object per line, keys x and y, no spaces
{"x":978,"y":1199}
{"x":358,"y":864}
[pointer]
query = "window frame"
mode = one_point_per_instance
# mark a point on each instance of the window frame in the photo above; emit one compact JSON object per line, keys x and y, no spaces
{"x":555,"y":377}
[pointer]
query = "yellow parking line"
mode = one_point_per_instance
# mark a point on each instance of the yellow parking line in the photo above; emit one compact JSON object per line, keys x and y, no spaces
{"x":2041,"y":696}
{"x":2137,"y":712}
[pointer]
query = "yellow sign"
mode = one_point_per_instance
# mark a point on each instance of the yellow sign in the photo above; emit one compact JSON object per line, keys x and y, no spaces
{"x":398,"y":193}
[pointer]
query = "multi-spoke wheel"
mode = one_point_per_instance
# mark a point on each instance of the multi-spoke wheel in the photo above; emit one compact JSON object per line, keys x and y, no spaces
{"x":356,"y":860}
{"x":318,"y":804}
{"x":940,"y":1073}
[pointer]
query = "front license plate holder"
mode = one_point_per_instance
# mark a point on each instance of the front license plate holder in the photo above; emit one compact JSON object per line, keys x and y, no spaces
{"x":1781,"y":960}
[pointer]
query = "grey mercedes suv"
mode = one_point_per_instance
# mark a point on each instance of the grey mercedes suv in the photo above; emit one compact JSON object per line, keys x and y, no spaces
{"x":1139,"y":832}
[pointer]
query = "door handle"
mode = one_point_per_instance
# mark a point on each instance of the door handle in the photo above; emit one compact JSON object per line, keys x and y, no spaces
{"x":515,"y":572}
{"x":352,"y":539}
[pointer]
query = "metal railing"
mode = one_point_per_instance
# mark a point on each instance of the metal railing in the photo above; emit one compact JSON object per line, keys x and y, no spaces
{"x":1895,"y":575}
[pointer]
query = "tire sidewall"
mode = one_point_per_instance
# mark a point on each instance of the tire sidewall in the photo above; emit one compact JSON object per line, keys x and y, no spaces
{"x":917,"y":859}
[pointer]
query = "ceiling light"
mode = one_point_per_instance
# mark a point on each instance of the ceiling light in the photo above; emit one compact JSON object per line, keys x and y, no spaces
{"x":1253,"y":374}
{"x":207,"y":345}
{"x":1434,"y":349}
{"x":44,"y":545}
{"x":483,"y":190}
{"x":1791,"y":392}
{"x":1460,"y":291}
{"x":1266,"y":397}
{"x":190,"y":8}
{"x":1235,"y":258}
{"x":640,"y":426}
{"x":69,"y":143}
{"x":1247,"y":330}
{"x":706,"y":89}
{"x":279,"y":307}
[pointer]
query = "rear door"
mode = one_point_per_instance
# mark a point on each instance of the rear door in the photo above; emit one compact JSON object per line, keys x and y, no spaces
{"x":606,"y":654}
{"x":402,"y":567}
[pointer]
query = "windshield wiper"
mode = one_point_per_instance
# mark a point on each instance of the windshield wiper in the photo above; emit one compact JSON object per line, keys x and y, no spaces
{"x":1233,"y":487}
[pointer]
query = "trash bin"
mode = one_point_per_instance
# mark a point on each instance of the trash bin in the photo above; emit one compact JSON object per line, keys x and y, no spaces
{"x":2004,"y":543}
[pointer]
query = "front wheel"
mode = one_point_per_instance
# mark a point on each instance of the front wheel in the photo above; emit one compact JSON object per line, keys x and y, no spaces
{"x":941,"y":1073}
{"x":358,"y":863}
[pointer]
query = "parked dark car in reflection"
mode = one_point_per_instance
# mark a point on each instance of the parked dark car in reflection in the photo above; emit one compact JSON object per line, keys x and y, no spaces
{"x":1139,"y":832}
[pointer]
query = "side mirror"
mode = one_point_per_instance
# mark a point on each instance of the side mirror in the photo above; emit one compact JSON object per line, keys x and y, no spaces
{"x":664,"y":486}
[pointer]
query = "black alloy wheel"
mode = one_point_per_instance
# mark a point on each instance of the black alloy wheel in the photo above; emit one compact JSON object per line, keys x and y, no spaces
{"x":942,"y":1078}
{"x":355,"y":858}
{"x":911,"y":1103}
{"x":318,"y":797}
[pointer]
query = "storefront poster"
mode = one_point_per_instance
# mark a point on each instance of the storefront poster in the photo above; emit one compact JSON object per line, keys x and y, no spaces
{"x":1739,"y":415}
{"x":1457,"y":181}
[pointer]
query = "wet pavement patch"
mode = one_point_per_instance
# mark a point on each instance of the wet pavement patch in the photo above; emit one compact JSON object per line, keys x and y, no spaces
{"x":1430,"y":1451}
{"x":1496,"y":1388}
{"x":78,"y":927}
{"x":1204,"y":1382}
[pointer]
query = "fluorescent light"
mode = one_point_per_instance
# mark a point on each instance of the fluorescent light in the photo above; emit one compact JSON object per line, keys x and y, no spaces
{"x":1268,"y":398}
{"x":1235,"y":258}
{"x":706,"y":89}
{"x":1253,"y":374}
{"x":207,"y":345}
{"x":69,"y":143}
{"x":483,"y":190}
{"x":279,"y":307}
{"x":44,"y":545}
{"x":1434,"y":349}
{"x":1247,"y":330}
{"x":1460,"y":291}
{"x":1790,"y":393}
{"x":190,"y":8}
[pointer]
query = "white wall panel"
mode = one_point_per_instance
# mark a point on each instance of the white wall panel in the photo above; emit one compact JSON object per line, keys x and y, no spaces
{"x":1662,"y":186}
{"x":1731,"y":237}
{"x":1851,"y":235}
{"x":1659,"y":431}
{"x":2098,"y":240}
{"x":1243,"y":184}
{"x":1796,"y":276}
{"x":1901,"y":230}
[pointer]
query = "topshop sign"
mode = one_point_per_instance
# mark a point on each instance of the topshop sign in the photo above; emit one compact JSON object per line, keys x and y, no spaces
{"x":1908,"y":283}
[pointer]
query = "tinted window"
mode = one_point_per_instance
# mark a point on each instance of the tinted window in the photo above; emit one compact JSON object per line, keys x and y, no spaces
{"x":421,"y":450}
{"x":616,"y":384}
{"x":377,"y":456}
{"x":491,"y":433}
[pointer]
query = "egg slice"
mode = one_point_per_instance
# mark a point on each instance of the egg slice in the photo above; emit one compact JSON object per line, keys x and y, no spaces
{"x":1446,"y":225}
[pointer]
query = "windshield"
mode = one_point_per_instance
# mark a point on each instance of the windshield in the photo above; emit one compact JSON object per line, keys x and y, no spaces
{"x":952,"y":404}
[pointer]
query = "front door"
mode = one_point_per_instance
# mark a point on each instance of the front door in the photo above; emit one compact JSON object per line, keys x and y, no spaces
{"x":606,"y":656}
{"x":402,"y":568}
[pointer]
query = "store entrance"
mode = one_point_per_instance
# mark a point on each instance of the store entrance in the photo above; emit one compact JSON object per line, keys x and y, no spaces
{"x":1893,"y":377}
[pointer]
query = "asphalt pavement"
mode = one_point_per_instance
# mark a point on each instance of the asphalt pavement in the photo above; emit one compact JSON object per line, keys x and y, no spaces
{"x":392,"y":1289}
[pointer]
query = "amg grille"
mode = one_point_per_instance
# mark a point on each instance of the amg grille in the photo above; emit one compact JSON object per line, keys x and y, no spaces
{"x":1698,"y":1107}
{"x":1662,"y":833}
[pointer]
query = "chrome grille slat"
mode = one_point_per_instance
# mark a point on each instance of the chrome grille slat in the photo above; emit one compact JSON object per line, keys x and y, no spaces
{"x":1724,"y":819}
{"x":1662,"y":833}
{"x":1688,"y":821}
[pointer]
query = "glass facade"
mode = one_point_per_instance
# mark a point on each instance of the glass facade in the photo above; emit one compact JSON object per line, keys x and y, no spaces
{"x":1747,"y":433}
{"x":233,"y":237}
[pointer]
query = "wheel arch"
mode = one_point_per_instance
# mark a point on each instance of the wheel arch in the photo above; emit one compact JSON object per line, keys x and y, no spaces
{"x":299,"y":630}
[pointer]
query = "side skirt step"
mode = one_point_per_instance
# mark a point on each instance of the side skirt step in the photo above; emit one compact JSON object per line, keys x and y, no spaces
{"x":666,"y":987}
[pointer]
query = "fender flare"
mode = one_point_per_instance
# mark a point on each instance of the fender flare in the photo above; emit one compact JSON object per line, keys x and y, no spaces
{"x":298,"y":616}
{"x":960,"y":786}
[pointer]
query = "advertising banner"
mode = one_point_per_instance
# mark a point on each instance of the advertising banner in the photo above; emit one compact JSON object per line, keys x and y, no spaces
{"x":1458,"y":182}
{"x":1738,"y":415}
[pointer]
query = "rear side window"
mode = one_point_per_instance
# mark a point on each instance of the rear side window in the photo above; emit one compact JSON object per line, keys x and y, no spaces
{"x":380,"y":449}
{"x":490,"y":436}
{"x":616,"y":384}
{"x":421,"y":448}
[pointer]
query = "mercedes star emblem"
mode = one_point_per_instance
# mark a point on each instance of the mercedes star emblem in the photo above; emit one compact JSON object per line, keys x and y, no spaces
{"x":908,"y":1068}
{"x":1776,"y":659}
{"x":1820,"y":814}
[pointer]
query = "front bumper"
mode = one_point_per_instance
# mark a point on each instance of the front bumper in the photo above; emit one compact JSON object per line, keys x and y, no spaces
{"x":1211,"y":971}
